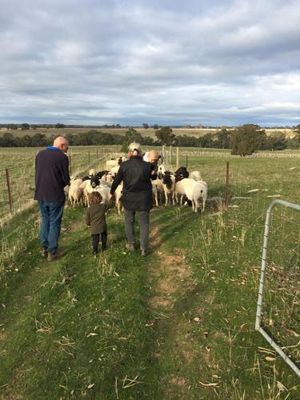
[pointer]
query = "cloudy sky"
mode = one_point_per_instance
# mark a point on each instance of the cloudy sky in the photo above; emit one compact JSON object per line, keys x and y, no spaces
{"x":172,"y":62}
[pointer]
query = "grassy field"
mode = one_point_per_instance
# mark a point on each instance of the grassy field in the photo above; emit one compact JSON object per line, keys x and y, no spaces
{"x":178,"y":324}
{"x":20,"y":165}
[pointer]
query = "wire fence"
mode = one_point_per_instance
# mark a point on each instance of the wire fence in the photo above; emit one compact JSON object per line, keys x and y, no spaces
{"x":17,"y":169}
{"x":248,"y":177}
{"x":278,"y":316}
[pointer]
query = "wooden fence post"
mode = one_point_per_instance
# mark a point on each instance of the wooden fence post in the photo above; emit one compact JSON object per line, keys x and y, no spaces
{"x":9,"y":190}
{"x":226,"y":189}
{"x":163,"y":153}
{"x":177,"y":157}
{"x":186,"y":161}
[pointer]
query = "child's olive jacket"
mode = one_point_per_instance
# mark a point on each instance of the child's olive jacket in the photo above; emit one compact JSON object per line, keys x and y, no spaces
{"x":95,"y":218}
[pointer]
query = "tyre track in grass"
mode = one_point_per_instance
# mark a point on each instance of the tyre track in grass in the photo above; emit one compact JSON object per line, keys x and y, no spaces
{"x":172,"y":308}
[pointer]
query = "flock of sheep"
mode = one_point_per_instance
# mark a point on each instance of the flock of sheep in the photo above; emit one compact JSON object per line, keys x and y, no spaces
{"x":169,"y":187}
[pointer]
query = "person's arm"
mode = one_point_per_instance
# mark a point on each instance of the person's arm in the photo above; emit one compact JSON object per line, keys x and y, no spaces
{"x":153,"y":172}
{"x":35,"y":173}
{"x":65,"y":171}
{"x":118,"y":179}
{"x":108,"y":205}
{"x":88,"y":217}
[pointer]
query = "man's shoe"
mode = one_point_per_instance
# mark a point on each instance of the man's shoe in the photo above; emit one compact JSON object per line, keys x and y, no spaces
{"x":53,"y":257}
{"x":130,"y":247}
{"x":44,"y":253}
{"x":144,"y":253}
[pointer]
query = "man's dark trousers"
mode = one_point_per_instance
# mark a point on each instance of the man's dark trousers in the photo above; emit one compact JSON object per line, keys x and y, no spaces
{"x":50,"y":225}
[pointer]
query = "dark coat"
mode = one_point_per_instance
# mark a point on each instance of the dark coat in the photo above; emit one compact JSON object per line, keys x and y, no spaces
{"x":95,"y":218}
{"x":136,"y":175}
{"x":51,"y":175}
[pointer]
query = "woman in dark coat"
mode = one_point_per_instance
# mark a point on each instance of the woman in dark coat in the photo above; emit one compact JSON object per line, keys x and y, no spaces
{"x":136,"y":175}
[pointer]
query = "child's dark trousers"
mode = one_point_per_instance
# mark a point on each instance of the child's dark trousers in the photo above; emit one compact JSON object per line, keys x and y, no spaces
{"x":96,"y":239}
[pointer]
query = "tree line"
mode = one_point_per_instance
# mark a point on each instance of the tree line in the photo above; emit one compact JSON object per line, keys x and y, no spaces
{"x":243,"y":140}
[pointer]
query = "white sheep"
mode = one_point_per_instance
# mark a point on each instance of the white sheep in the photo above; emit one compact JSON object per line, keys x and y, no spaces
{"x":88,"y":189}
{"x":107,"y":179}
{"x":114,"y":170}
{"x":83,"y":186}
{"x":193,"y":190}
{"x":157,"y":190}
{"x":195,"y":175}
{"x":109,"y":164}
{"x":104,"y":190}
{"x":118,"y":195}
{"x":199,"y":192}
{"x":75,"y":192}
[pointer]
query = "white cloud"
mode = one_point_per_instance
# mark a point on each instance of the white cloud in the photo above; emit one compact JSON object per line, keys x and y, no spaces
{"x":149,"y":61}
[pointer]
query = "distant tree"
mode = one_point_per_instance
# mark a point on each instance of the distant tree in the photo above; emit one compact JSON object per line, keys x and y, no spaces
{"x":223,"y":139}
{"x":25,"y":141}
{"x":7,"y":140}
{"x":70,"y":138}
{"x":277,"y":142}
{"x":39,"y":139}
{"x":145,"y":125}
{"x":147,"y":140}
{"x":58,"y":126}
{"x":187,"y":141}
{"x":12,"y":126}
{"x":130,"y":136}
{"x":155,"y":126}
{"x":247,"y":139}
{"x":293,"y":143}
{"x":207,"y":140}
{"x":165,"y":136}
{"x":25,"y":126}
{"x":297,"y":129}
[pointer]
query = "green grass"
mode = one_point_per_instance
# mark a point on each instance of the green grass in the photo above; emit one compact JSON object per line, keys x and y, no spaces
{"x":176,"y":325}
{"x":76,"y":327}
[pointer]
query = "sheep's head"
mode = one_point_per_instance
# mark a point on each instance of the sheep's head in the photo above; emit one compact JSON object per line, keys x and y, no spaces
{"x":181,"y":173}
{"x":95,"y":181}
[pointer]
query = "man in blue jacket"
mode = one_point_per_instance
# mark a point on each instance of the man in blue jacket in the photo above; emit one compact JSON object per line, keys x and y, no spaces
{"x":51,"y":176}
{"x":136,"y":175}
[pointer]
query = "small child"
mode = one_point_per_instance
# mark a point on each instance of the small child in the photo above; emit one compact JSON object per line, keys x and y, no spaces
{"x":95,"y":218}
